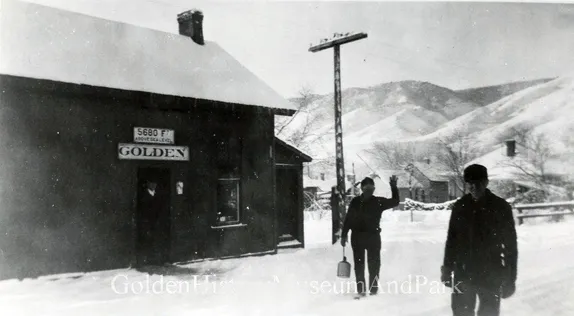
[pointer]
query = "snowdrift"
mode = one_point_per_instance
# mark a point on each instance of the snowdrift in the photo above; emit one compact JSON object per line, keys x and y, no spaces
{"x":412,"y":205}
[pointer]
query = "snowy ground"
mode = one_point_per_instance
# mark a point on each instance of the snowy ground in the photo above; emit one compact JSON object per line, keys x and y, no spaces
{"x":290,"y":283}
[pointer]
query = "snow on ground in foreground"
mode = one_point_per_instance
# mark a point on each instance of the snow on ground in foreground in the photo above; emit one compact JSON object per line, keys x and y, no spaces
{"x":289,"y":283}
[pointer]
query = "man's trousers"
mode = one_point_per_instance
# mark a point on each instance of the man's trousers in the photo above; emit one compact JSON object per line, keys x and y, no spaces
{"x":464,"y":298}
{"x":369,"y":242}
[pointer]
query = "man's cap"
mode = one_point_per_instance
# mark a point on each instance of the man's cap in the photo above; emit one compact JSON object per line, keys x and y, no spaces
{"x":475,"y":172}
{"x":367,"y":181}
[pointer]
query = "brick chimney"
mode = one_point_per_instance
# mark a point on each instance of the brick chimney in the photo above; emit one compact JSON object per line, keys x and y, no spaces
{"x":191,"y":25}
{"x":510,"y":148}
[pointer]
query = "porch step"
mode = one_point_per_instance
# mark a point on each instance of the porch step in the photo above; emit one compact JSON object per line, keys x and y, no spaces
{"x":289,"y":244}
{"x":288,"y":241}
{"x":286,"y":237}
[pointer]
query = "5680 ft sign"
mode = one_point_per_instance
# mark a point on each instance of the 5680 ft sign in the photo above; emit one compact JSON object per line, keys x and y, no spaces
{"x":153,"y":135}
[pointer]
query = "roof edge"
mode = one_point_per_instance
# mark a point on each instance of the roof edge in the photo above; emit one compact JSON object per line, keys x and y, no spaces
{"x":306,"y":158}
{"x":72,"y":87}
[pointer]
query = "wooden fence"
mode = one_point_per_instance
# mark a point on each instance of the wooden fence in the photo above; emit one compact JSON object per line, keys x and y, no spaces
{"x":554,"y":205}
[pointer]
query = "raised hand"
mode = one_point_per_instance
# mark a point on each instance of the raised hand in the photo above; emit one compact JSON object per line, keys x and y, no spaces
{"x":393,"y":181}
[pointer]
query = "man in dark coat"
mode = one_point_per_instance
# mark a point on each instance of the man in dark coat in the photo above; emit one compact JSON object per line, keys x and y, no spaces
{"x":480,"y":258}
{"x":152,"y":204}
{"x":363,"y":218}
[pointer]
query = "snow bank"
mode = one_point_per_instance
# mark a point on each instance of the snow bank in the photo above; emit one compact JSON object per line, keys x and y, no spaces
{"x":421,"y":206}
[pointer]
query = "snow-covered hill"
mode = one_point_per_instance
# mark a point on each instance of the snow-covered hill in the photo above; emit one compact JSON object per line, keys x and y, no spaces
{"x":490,"y":94}
{"x":424,"y":113}
{"x":545,"y":107}
{"x":389,"y":111}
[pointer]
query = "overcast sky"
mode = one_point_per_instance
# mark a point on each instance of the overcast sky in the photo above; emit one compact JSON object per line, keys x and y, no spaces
{"x":456,"y":45}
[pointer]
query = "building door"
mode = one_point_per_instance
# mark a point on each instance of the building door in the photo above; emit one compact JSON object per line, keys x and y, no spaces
{"x":287,"y":201}
{"x":153,"y":216}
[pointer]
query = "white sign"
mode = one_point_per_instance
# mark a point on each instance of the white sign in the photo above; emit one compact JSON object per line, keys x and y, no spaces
{"x":153,"y":135}
{"x":153,"y":152}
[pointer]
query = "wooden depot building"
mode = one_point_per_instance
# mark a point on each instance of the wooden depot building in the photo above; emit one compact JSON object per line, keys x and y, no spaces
{"x":121,"y":145}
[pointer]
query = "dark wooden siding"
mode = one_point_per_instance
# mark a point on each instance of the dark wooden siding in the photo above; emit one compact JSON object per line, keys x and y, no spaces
{"x":68,"y":202}
{"x":404,"y":193}
{"x":438,"y":192}
{"x":286,"y":156}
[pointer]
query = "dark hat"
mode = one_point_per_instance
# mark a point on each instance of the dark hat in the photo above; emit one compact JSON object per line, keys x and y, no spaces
{"x":475,"y":173}
{"x":367,"y":181}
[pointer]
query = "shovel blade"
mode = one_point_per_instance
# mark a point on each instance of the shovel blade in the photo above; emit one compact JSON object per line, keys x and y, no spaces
{"x":344,"y":269}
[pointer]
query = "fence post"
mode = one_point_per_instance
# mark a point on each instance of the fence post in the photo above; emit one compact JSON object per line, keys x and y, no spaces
{"x":520,"y":219}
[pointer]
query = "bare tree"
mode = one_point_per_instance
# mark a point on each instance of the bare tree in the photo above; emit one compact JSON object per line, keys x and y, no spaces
{"x":454,"y":152}
{"x":320,"y":165}
{"x":302,"y":136}
{"x":520,"y":133}
{"x":532,"y":158}
{"x":303,"y":101}
{"x":301,"y":129}
{"x":568,"y":137}
{"x":396,"y":155}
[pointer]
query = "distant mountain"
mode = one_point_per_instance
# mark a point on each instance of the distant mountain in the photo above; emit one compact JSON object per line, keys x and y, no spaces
{"x":389,"y":111}
{"x":490,"y":94}
{"x":424,"y":113}
{"x":547,"y":108}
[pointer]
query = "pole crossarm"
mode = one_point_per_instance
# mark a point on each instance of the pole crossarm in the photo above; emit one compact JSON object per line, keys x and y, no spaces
{"x":336,"y":41}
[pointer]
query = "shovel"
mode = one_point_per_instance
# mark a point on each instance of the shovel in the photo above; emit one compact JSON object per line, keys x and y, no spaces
{"x":344,"y":267}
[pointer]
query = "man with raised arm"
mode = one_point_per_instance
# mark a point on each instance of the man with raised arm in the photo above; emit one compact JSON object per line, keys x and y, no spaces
{"x":363,"y":219}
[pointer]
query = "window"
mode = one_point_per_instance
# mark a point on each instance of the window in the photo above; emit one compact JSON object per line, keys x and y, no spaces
{"x":227,"y":201}
{"x":229,"y":158}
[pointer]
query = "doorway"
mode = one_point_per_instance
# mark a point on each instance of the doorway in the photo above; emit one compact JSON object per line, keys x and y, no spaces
{"x":287,"y":195}
{"x":153,"y":216}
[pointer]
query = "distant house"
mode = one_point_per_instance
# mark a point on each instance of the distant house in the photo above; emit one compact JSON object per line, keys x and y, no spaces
{"x":501,"y":163}
{"x":109,"y":129}
{"x":437,"y":184}
{"x":409,"y":187}
{"x":510,"y":159}
{"x":323,"y":184}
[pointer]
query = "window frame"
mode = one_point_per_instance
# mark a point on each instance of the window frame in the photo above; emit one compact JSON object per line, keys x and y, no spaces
{"x":237,"y":181}
{"x":229,"y":151}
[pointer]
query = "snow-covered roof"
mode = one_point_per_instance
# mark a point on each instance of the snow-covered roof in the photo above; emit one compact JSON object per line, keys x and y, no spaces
{"x":290,"y":146}
{"x":322,"y":185}
{"x":327,"y":184}
{"x":47,"y":43}
{"x":433,"y":171}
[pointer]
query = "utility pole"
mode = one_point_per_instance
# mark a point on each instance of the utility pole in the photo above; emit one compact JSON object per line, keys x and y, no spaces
{"x":353,"y":180}
{"x":335,"y":42}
